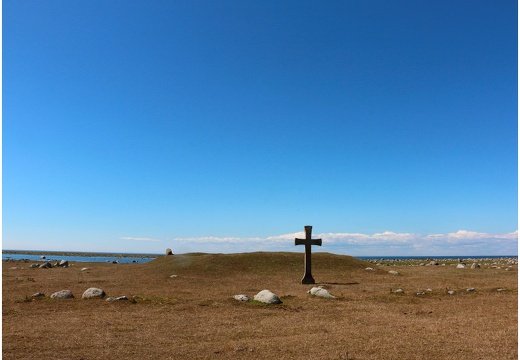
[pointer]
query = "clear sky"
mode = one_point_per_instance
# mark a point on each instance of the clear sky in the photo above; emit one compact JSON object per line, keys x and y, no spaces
{"x":226,"y":126}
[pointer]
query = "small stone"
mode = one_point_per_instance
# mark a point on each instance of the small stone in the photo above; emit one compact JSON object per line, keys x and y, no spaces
{"x":173,"y":276}
{"x":475,"y":266}
{"x":470,"y":289}
{"x":63,"y":294}
{"x":393,"y":272}
{"x":461,"y":266}
{"x":501,"y":289}
{"x":420,"y":293}
{"x":93,"y":293}
{"x":321,"y":292}
{"x":111,"y":298}
{"x":451,"y":292}
{"x":241,"y":297}
{"x":46,"y":265}
{"x":435,"y":263}
{"x":398,"y":291}
{"x":34,"y":265}
{"x":370,"y":269}
{"x":267,"y":297}
{"x":122,"y":298}
{"x":38,"y":294}
{"x":85,"y":269}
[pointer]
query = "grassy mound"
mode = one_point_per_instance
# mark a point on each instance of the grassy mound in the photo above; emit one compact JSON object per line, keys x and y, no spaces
{"x":255,"y":263}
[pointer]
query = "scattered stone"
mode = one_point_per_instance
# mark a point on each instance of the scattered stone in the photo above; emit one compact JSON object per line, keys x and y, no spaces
{"x":46,"y":265}
{"x":169,"y":251}
{"x":173,"y":276}
{"x":42,"y":257}
{"x":475,"y":266}
{"x":241,"y":297}
{"x":93,"y":293}
{"x":13,"y":268}
{"x":435,"y":263}
{"x":111,"y":298}
{"x":501,"y":289}
{"x":470,"y":289}
{"x":321,"y":292}
{"x":429,"y":290}
{"x":370,"y":269}
{"x":393,"y":272}
{"x":63,"y":263}
{"x":85,"y":269}
{"x":451,"y":292}
{"x":115,"y":262}
{"x":122,"y":298}
{"x":420,"y":293}
{"x":34,"y":265}
{"x":398,"y":291}
{"x":63,"y":294}
{"x":461,"y":266}
{"x":38,"y":294}
{"x":267,"y":297}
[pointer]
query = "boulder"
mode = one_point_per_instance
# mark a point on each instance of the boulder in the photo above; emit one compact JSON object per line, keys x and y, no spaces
{"x":267,"y":297}
{"x":321,"y":292}
{"x":434,"y":263}
{"x":169,"y":251}
{"x":241,"y":297}
{"x":93,"y":293}
{"x":475,"y":266}
{"x":63,"y":263}
{"x":63,"y":294}
{"x":46,"y":265}
{"x":461,"y":266}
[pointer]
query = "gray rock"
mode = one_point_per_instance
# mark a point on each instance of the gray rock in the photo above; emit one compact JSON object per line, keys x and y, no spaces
{"x":435,"y":263}
{"x":122,"y":298}
{"x":111,"y":298}
{"x":38,"y":294}
{"x":369,"y":269}
{"x":267,"y":297}
{"x":451,"y":292}
{"x":501,"y":289}
{"x":63,"y":263}
{"x":93,"y":293}
{"x":241,"y":297}
{"x":461,"y":266}
{"x":475,"y":266}
{"x":34,"y":265}
{"x":63,"y":294}
{"x":470,"y":289}
{"x":85,"y":269}
{"x":398,"y":291}
{"x":393,"y":272}
{"x":321,"y":292}
{"x":46,"y":265}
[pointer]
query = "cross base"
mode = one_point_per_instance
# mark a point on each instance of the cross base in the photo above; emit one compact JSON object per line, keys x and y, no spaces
{"x":308,"y":279}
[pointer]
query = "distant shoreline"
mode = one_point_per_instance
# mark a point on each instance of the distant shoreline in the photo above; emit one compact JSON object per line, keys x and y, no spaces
{"x":148,"y":256}
{"x":79,"y":253}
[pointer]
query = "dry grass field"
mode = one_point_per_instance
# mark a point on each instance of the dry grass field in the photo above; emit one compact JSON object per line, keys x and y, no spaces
{"x":194,"y":315}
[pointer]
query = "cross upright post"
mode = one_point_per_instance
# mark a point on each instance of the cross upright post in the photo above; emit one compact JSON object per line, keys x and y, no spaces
{"x":308,"y":242}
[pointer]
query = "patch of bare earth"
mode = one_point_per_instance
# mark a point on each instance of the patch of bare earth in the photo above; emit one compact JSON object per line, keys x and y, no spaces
{"x":193,"y":315}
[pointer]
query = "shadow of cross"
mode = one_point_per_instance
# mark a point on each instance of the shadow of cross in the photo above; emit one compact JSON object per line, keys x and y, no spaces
{"x":308,"y":242}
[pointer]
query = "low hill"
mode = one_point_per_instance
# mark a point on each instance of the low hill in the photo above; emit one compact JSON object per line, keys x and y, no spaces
{"x":254,"y":263}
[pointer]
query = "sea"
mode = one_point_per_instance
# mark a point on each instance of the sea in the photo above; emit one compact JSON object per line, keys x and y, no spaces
{"x":142,"y":258}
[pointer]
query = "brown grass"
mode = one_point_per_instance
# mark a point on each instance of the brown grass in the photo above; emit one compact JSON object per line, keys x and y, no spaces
{"x":193,"y":315}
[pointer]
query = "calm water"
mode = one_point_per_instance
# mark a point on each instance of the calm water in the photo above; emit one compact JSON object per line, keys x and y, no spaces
{"x":53,"y":257}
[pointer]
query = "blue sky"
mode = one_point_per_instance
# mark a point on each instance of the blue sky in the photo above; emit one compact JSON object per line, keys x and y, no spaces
{"x":132,"y":126}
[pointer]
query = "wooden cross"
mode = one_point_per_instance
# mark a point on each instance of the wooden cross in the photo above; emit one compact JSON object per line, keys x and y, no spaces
{"x":308,"y":242}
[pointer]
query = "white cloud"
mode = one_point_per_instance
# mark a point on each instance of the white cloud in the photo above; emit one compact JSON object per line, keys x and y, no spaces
{"x":388,"y":243}
{"x":139,"y":239}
